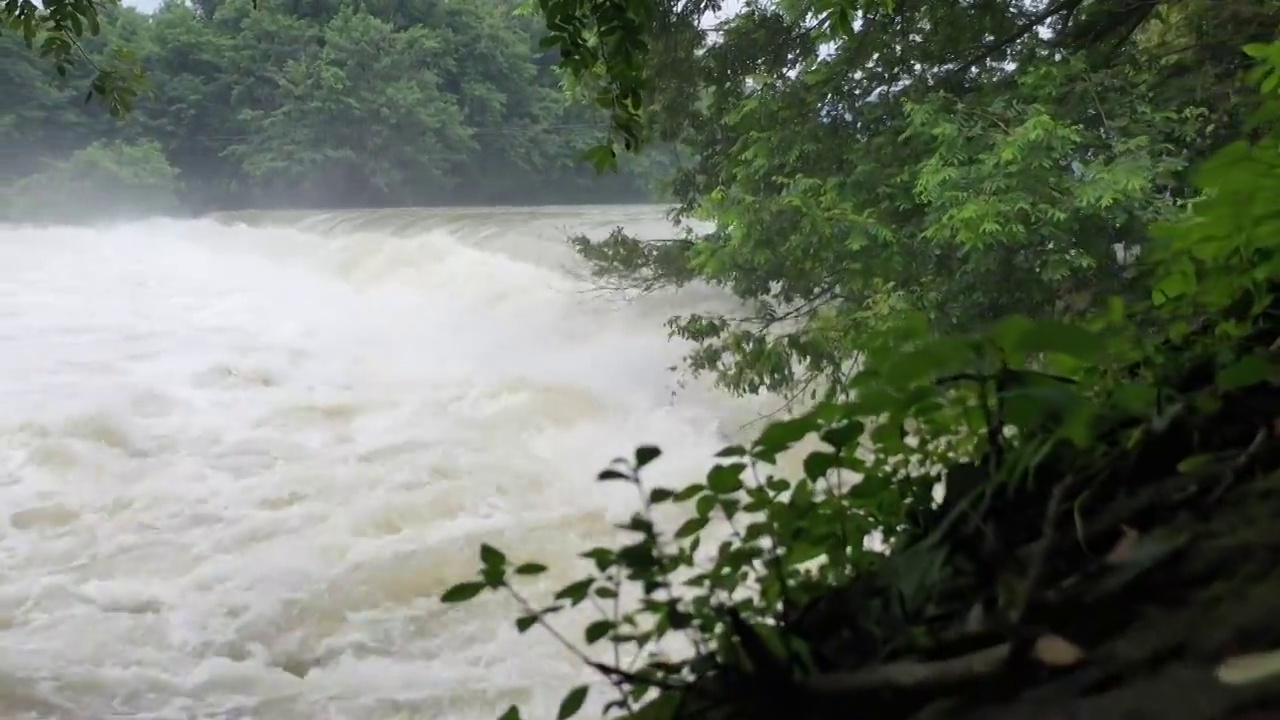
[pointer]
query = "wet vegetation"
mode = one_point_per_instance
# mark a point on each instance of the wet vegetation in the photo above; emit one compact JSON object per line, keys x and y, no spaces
{"x":295,"y":104}
{"x":1028,"y":250}
{"x":1043,"y":235}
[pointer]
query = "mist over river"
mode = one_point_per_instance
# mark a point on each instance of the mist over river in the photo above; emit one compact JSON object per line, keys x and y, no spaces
{"x":241,"y":456}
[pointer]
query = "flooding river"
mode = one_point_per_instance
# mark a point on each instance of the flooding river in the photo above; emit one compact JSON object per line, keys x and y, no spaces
{"x":241,"y":456}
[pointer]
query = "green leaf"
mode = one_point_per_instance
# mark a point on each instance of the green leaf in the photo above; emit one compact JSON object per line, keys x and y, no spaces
{"x":1249,"y":370}
{"x":604,"y":558}
{"x":725,"y":479}
{"x":646,"y":454}
{"x":495,"y":576}
{"x":602,"y":158}
{"x":732,"y":451}
{"x":914,"y":366}
{"x":1008,"y":332}
{"x":817,"y":464}
{"x":575,"y":592}
{"x":491,"y":556}
{"x":843,"y":435}
{"x":531,"y":569}
{"x":572,"y":703}
{"x":729,"y":506}
{"x":887,"y":437}
{"x":1258,"y":50}
{"x":611,"y":474}
{"x":638,"y":523}
{"x":660,"y":495}
{"x":511,"y":713}
{"x":1195,"y":463}
{"x":462,"y":592}
{"x":937,"y":357}
{"x":692,"y":526}
{"x":1047,"y":336}
{"x":598,"y":630}
{"x":1137,"y":398}
{"x":1172,"y":286}
{"x":782,"y":435}
{"x":800,"y":554}
{"x":524,"y":622}
{"x":705,"y":505}
{"x":1028,"y":405}
{"x":672,"y":705}
{"x":690,"y":492}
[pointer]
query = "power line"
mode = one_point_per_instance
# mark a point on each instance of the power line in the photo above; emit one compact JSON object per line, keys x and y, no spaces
{"x":579,"y":129}
{"x":585,"y":128}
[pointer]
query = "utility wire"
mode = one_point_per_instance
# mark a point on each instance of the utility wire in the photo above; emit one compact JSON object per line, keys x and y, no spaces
{"x":574,"y":130}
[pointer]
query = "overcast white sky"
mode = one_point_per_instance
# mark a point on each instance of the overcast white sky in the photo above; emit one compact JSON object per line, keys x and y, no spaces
{"x":144,"y":5}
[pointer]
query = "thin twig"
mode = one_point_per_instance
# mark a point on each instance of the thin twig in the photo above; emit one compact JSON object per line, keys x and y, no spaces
{"x":779,"y":568}
{"x":1026,"y":29}
{"x":1238,"y":464}
{"x":615,"y":675}
{"x":1035,"y":574}
{"x":909,"y":673}
{"x":541,"y":620}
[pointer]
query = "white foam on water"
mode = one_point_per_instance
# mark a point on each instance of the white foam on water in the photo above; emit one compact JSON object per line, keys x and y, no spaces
{"x":231,"y":456}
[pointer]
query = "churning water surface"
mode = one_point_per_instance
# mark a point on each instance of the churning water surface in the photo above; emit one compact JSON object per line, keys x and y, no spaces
{"x":241,"y":457}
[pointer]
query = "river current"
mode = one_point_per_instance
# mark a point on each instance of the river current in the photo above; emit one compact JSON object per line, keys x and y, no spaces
{"x":241,"y":456}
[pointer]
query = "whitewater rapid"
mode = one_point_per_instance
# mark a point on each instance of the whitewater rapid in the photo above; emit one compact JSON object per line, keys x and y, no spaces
{"x":239,"y":462}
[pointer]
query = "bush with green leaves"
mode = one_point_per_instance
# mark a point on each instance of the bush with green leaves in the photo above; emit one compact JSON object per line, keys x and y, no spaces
{"x":862,"y":158}
{"x":750,"y":546}
{"x":109,"y":181}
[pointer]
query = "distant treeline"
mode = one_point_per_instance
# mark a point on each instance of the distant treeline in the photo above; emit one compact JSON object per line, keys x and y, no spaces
{"x":309,"y":103}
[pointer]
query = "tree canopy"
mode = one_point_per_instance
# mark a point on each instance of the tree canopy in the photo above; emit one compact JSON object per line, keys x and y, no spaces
{"x":956,"y":161}
{"x":282,"y":103}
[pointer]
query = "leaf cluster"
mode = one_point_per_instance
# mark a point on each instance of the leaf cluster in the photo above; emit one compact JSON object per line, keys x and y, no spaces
{"x":58,"y":27}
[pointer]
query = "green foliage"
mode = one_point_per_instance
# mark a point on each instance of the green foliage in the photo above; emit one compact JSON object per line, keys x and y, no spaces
{"x":613,"y":47}
{"x":324,"y":121}
{"x":109,"y":181}
{"x":855,"y":177}
{"x":325,"y":104}
{"x":57,"y":27}
{"x":750,"y":545}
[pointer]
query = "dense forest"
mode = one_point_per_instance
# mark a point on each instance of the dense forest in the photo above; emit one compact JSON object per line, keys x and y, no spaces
{"x":306,"y":104}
